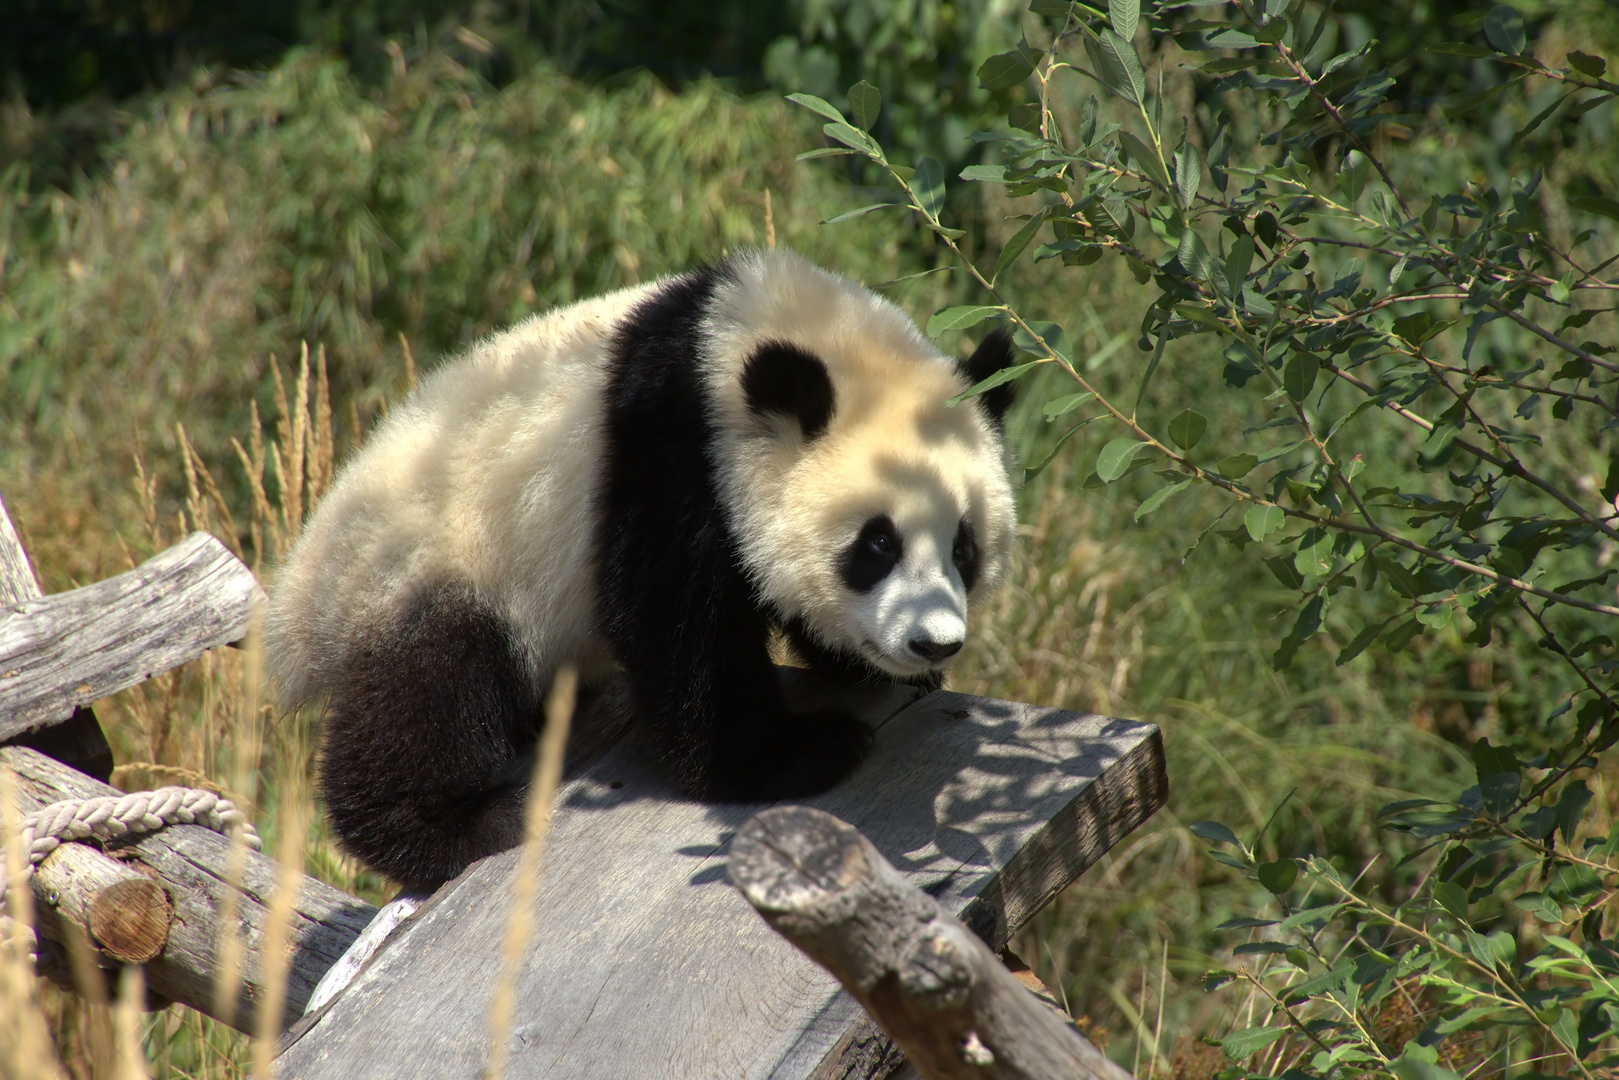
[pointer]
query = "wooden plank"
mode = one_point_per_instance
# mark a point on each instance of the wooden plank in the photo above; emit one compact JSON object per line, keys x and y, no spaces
{"x":191,"y":862}
{"x":937,"y":989}
{"x":60,"y":652}
{"x":79,"y":740}
{"x":17,"y":581}
{"x":645,"y":963}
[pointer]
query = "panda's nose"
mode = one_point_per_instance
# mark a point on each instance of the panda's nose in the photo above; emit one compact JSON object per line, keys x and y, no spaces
{"x":934,"y":651}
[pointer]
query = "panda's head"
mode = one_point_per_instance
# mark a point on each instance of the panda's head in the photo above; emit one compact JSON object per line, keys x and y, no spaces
{"x":868,"y":512}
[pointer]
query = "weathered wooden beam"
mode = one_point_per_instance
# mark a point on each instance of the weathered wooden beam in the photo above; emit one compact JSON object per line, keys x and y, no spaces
{"x":60,"y":652}
{"x":644,"y":963}
{"x":944,"y":998}
{"x":190,"y":862}
{"x":17,"y":580}
{"x":78,"y":740}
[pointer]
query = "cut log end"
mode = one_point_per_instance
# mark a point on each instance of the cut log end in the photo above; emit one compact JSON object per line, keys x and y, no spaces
{"x":122,"y":906}
{"x":791,"y":859}
{"x":130,"y":919}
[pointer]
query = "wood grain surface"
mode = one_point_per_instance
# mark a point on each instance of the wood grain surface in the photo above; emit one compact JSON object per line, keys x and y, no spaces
{"x":17,"y":580}
{"x":77,"y":740}
{"x":63,"y":651}
{"x":124,"y":913}
{"x":646,"y":963}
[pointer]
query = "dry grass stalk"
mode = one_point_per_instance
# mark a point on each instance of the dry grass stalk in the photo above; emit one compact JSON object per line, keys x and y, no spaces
{"x":145,"y":497}
{"x":247,"y":748}
{"x":203,"y":501}
{"x":127,"y":1023}
{"x":22,"y":1026}
{"x":263,"y":517}
{"x":228,"y":976}
{"x":196,"y":507}
{"x":291,"y":433}
{"x":1163,"y":992}
{"x":274,"y":958}
{"x":90,"y":982}
{"x":320,"y":452}
{"x":410,"y":377}
{"x":526,"y":878}
{"x":356,"y":429}
{"x":149,"y":776}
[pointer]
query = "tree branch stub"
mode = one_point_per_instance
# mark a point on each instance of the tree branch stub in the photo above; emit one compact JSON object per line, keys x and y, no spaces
{"x":937,"y":990}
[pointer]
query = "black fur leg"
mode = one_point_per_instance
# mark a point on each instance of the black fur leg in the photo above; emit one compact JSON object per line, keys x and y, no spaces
{"x":693,"y":646}
{"x":673,"y":600}
{"x":420,"y":771}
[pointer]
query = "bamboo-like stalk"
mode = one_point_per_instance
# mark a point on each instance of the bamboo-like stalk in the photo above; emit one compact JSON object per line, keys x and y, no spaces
{"x":90,"y":983}
{"x":127,"y":1024}
{"x":274,"y":959}
{"x":35,"y":1058}
{"x":525,"y":881}
{"x":246,"y":752}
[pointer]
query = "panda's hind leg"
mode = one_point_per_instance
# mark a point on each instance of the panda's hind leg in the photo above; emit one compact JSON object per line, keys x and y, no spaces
{"x":422,"y":771}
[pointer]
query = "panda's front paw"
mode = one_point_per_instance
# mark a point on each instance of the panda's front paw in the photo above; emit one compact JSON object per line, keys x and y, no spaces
{"x":826,"y":746}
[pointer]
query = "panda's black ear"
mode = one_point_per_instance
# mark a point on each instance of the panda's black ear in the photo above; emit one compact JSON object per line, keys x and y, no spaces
{"x":993,"y":354}
{"x":785,"y":379}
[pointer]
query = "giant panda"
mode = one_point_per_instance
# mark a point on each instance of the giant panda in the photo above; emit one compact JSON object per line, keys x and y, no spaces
{"x":648,"y":486}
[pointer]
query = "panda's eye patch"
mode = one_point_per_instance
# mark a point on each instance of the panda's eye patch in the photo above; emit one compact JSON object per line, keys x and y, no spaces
{"x":874,"y":553}
{"x":965,"y":554}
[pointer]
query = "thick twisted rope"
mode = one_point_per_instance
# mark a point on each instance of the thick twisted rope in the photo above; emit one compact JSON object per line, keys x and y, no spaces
{"x":109,"y":817}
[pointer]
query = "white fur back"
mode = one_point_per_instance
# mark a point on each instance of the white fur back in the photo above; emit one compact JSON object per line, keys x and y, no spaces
{"x":484,"y":474}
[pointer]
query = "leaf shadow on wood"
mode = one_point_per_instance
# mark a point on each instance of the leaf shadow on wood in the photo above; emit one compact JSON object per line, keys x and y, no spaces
{"x":641,"y":949}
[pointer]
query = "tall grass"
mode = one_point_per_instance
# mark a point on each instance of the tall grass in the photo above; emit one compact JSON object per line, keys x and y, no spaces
{"x":208,"y":724}
{"x":559,"y":705}
{"x":243,"y":215}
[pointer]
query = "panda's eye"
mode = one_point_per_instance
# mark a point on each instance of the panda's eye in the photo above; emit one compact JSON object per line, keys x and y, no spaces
{"x":874,"y":553}
{"x":964,"y":554}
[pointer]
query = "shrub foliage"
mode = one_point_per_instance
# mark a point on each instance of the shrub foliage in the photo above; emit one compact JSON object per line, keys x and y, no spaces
{"x":1412,"y":429}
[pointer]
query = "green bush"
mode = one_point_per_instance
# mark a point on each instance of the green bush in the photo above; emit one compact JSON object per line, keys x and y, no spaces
{"x":1409,"y":429}
{"x":242,"y":216}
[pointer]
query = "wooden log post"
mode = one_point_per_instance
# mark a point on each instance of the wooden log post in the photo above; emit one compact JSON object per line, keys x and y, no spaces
{"x":124,"y":913}
{"x":187,"y":864}
{"x":77,"y":740}
{"x":936,"y":989}
{"x":643,"y":962}
{"x":61,"y":652}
